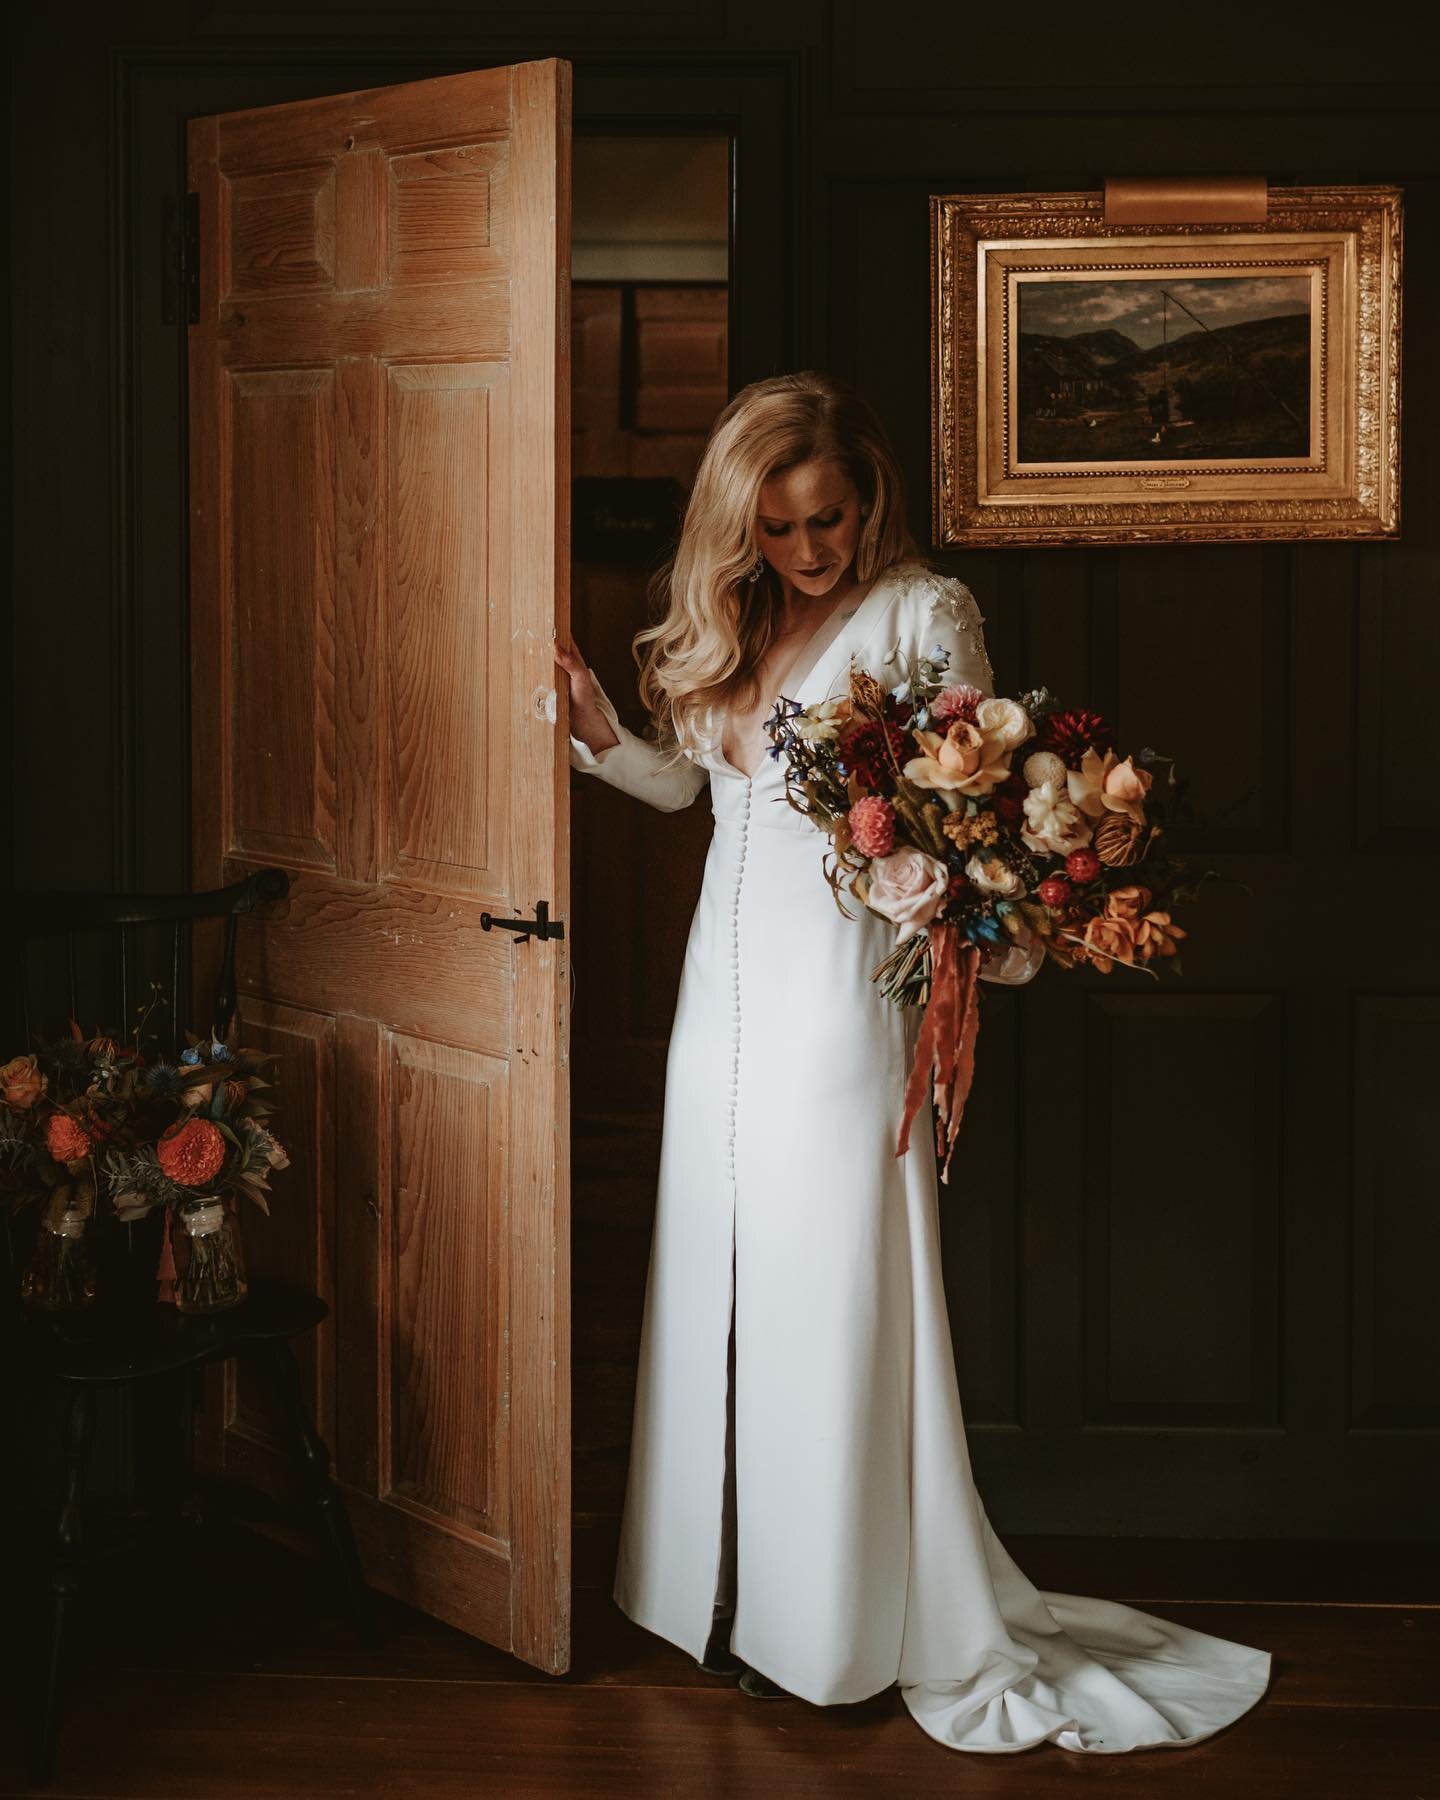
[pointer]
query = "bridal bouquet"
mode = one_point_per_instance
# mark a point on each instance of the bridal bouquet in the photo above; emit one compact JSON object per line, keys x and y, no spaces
{"x":972,"y":822}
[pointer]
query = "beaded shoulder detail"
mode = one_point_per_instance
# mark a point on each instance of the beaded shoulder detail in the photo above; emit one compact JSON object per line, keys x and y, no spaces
{"x":948,"y":610}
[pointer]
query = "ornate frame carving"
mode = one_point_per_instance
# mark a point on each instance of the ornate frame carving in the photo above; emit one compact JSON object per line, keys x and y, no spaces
{"x":1346,"y":239}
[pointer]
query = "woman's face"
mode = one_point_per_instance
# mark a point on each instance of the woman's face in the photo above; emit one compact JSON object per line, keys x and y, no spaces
{"x":808,"y":524}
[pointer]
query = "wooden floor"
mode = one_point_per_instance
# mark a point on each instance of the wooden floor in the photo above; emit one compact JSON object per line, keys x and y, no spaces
{"x":225,"y":1675}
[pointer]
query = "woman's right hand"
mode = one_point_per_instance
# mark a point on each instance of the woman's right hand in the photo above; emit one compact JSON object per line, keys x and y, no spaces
{"x":587,"y":722}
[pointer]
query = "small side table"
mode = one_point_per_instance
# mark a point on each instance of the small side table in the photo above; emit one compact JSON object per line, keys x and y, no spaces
{"x":108,"y":1346}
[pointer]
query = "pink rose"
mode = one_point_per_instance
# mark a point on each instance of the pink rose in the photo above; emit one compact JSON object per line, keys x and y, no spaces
{"x":908,"y":888}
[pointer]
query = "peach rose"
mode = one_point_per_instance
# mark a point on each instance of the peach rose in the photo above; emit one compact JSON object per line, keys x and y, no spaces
{"x":908,"y":888}
{"x":1109,"y":940}
{"x":1105,"y":784}
{"x":970,"y":759}
{"x":21,"y":1083}
{"x":1127,"y":902}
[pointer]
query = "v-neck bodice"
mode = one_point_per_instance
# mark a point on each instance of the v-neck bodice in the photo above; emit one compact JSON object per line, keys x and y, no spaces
{"x":812,"y":672}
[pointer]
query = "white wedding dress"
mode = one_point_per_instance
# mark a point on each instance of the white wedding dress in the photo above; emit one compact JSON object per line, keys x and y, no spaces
{"x":862,"y":1553}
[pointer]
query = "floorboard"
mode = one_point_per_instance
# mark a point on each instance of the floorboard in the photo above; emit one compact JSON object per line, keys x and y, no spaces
{"x":229,"y":1677}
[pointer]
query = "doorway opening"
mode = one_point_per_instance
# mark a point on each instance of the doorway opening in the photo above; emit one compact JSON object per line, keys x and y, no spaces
{"x":651,"y":359}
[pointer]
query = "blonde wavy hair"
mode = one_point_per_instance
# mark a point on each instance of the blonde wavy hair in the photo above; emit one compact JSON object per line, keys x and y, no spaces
{"x":713,"y":625}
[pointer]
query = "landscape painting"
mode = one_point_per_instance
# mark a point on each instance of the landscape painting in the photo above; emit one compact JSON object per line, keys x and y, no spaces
{"x":1190,"y":379}
{"x":1164,"y":368}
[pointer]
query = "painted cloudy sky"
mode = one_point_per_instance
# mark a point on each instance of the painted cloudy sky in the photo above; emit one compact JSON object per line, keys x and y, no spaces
{"x":1064,"y":308}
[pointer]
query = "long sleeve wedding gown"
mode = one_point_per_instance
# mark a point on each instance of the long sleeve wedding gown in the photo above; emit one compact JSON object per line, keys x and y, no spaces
{"x":862,"y":1554}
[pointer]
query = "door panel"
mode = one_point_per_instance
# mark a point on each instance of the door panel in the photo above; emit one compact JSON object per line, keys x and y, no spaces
{"x":379,"y":432}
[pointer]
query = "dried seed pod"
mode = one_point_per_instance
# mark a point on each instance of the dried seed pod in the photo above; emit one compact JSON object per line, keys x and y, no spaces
{"x":866,"y":695}
{"x":1117,"y":840}
{"x":1044,"y":765}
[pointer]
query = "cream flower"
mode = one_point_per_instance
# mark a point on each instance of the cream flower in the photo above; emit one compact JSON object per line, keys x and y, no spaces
{"x":1004,"y":722}
{"x":995,"y":877}
{"x":823,"y":721}
{"x":1053,"y":825}
{"x":1105,"y":784}
{"x":908,"y":888}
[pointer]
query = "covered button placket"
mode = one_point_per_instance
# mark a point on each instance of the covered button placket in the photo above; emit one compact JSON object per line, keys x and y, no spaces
{"x":735,"y":979}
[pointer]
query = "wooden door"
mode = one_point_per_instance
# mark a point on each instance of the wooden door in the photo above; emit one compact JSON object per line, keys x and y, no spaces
{"x":379,"y":443}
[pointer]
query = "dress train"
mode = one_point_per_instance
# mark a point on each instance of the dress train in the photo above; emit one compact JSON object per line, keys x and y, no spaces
{"x":1084,"y":1673}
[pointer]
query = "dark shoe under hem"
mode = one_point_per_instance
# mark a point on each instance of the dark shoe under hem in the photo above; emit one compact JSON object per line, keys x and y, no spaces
{"x":761,"y":1687}
{"x":719,"y":1658}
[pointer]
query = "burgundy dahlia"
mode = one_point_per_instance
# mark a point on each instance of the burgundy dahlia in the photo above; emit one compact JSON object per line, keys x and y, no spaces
{"x":1070,"y":734}
{"x":864,"y":753}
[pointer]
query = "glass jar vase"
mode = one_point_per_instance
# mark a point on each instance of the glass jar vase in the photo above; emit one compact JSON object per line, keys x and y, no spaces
{"x":213,"y":1273}
{"x":61,"y":1274}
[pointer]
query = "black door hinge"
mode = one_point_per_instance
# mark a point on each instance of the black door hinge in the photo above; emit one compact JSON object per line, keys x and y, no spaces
{"x":542,"y":925}
{"x":180,"y":271}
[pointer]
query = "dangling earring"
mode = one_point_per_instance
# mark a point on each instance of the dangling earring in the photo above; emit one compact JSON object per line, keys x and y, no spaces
{"x":758,"y":568}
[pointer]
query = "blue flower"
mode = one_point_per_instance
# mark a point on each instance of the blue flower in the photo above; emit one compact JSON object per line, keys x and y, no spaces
{"x":220,"y":1052}
{"x":984,"y":926}
{"x":192,"y":1055}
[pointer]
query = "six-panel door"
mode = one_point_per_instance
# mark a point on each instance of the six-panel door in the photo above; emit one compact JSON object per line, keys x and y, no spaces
{"x":379,"y":441}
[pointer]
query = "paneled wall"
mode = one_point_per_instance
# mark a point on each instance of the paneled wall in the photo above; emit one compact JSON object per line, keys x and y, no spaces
{"x":1191,"y":1250}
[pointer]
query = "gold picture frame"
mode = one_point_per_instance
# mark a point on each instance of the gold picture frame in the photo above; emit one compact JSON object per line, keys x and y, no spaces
{"x":1275,"y":417}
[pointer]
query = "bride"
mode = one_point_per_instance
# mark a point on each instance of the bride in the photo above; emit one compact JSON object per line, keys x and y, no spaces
{"x":800,"y":1505}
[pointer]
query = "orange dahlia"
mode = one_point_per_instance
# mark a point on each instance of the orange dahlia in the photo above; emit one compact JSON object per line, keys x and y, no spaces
{"x":65,"y":1138}
{"x":191,"y":1151}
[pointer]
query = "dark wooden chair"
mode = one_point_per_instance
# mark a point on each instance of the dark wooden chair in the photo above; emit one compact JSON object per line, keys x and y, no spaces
{"x":124,"y":1338}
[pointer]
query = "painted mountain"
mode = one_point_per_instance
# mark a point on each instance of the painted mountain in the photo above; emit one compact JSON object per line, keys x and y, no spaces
{"x":1234,"y":391}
